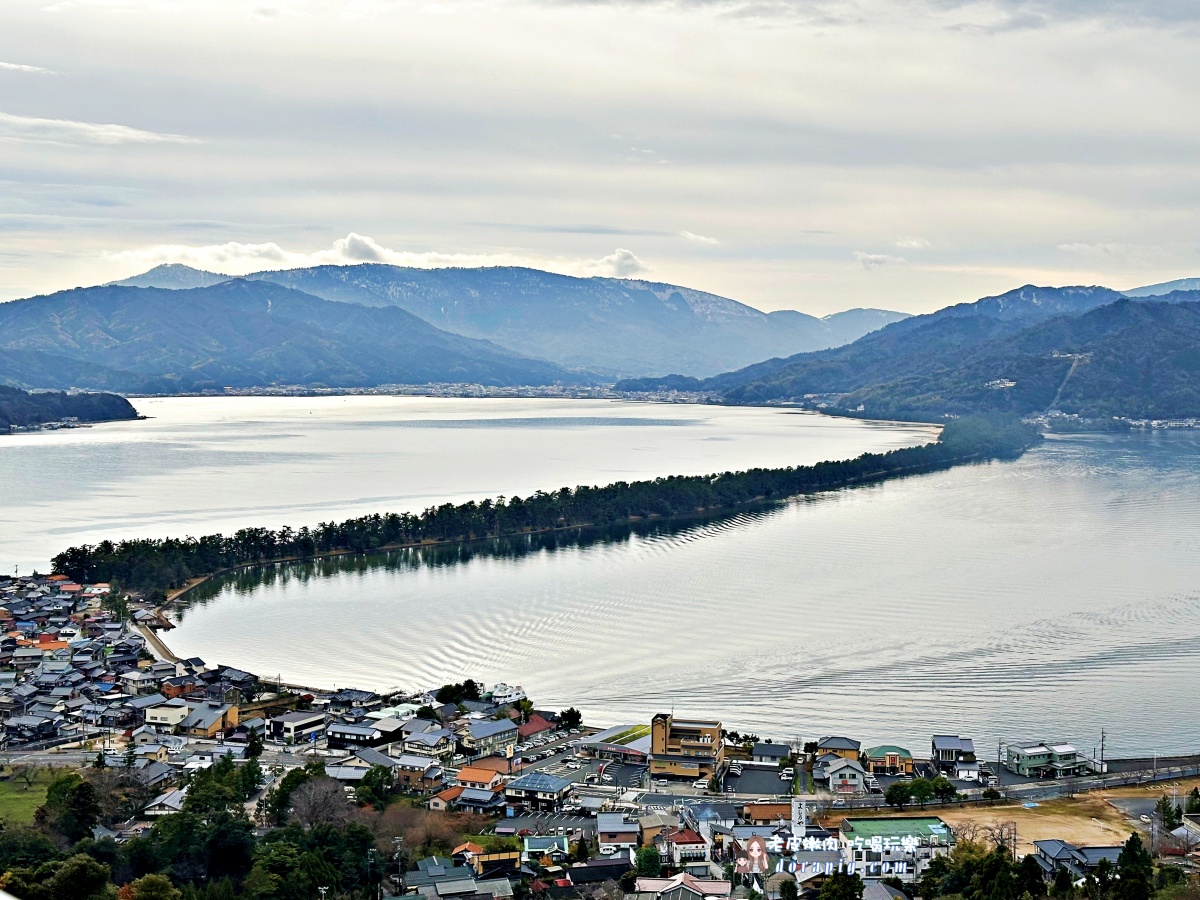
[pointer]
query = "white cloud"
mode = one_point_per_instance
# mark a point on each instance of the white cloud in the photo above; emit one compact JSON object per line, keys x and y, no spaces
{"x":17,"y":67}
{"x":68,"y":131}
{"x":871,"y":261}
{"x":235,"y":258}
{"x":913,"y":243}
{"x":698,"y":238}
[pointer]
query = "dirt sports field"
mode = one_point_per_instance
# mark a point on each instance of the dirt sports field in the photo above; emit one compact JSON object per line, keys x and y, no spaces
{"x":1086,"y":819}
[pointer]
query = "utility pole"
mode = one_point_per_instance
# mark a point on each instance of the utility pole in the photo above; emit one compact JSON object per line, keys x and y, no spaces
{"x":1103,"y":738}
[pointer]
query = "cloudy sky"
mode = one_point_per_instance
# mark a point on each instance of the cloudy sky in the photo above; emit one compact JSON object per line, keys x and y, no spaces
{"x":788,"y":153}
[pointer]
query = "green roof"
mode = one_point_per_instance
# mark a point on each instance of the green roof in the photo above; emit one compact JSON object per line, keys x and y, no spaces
{"x":899,"y":826}
{"x":885,"y":749}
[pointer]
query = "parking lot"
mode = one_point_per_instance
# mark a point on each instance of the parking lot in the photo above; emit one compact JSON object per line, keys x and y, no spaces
{"x":756,"y":781}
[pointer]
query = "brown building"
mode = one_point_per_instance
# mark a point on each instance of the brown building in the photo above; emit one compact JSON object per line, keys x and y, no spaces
{"x":685,"y":748}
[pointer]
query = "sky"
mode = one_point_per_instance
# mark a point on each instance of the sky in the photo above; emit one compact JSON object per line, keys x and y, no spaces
{"x":791,"y":154}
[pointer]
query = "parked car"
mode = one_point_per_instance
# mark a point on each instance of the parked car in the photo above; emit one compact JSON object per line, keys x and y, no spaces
{"x":700,"y":783}
{"x":607,"y":851}
{"x":839,"y":802}
{"x":789,"y":772}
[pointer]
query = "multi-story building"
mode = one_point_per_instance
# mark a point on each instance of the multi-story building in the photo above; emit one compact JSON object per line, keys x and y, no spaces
{"x":1037,"y":759}
{"x":949,"y":750}
{"x":894,"y":846}
{"x":685,"y":748}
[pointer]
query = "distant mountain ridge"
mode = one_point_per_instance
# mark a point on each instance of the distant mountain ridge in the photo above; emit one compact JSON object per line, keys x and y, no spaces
{"x":960,"y":359}
{"x":607,"y":325}
{"x":241,"y":334}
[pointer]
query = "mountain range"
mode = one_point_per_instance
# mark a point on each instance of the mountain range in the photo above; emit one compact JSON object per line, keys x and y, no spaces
{"x":240,"y":334}
{"x":606,"y":326}
{"x":1086,"y":350}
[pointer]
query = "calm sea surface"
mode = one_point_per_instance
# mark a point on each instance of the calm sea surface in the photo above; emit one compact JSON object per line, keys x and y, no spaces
{"x":1045,"y":598}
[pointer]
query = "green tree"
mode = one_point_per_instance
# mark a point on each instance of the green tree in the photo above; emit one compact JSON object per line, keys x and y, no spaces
{"x":898,"y":794}
{"x":376,"y":786}
{"x":995,"y":877}
{"x":72,"y":807}
{"x":1029,"y":877}
{"x":943,"y":789}
{"x":1193,"y":801}
{"x":582,"y":851}
{"x":570,"y":718}
{"x":80,"y":878}
{"x":154,"y":887}
{"x":254,"y":745}
{"x":788,"y":890}
{"x":921,"y":790}
{"x":648,"y":862}
{"x":842,"y":886}
{"x":1135,"y":869}
{"x":1063,"y":885}
{"x":990,"y":794}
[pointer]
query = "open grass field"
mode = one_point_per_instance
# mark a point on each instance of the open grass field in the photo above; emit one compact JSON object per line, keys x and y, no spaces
{"x":17,"y":804}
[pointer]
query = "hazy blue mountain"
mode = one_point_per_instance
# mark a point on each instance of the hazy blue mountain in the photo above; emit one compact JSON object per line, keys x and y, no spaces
{"x":609,"y":325}
{"x":936,"y":363}
{"x":173,"y":276}
{"x":1139,"y":359}
{"x":1167,"y":287}
{"x":22,"y":408}
{"x":239,"y":333}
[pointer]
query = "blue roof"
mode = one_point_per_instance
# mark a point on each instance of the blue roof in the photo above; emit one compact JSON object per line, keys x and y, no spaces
{"x":539,"y":781}
{"x":488,"y":728}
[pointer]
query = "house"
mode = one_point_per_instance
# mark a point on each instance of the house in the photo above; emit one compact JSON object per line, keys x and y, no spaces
{"x":685,"y":748}
{"x":952,"y":752}
{"x":901,"y":847}
{"x":538,"y":790}
{"x":1048,"y":759}
{"x":535,"y":726}
{"x":420,"y":773}
{"x":844,"y":747}
{"x":167,"y":715}
{"x":493,"y":870}
{"x":296,"y":727}
{"x":340,"y":736}
{"x":438,"y":742}
{"x":767,"y":813}
{"x":484,"y":779}
{"x":207,"y":720}
{"x":682,"y":847}
{"x":538,"y":846}
{"x":1054,"y":855}
{"x":484,"y":737}
{"x":479,"y":800}
{"x":601,"y":869}
{"x":443,"y":800}
{"x":769,"y":754}
{"x":166,"y":804}
{"x":681,"y":887}
{"x":615,"y":832}
{"x":845,"y":776}
{"x":888,"y":759}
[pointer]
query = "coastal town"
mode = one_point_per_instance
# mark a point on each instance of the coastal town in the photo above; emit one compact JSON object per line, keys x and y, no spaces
{"x":672,"y":809}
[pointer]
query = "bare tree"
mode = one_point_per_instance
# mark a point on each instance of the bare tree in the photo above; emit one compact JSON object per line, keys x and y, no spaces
{"x":972,"y":832}
{"x":318,"y":801}
{"x":26,"y":773}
